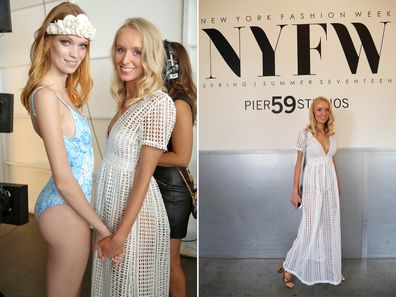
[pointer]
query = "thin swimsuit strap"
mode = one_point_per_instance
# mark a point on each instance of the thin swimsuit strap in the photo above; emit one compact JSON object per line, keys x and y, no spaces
{"x":57,"y":96}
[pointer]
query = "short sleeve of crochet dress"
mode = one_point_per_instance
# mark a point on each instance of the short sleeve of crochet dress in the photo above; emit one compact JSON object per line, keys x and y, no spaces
{"x":158,"y":122}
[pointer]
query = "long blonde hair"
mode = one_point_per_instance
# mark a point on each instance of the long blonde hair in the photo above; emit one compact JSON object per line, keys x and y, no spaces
{"x":329,"y":125}
{"x":153,"y":59}
{"x":41,"y":60}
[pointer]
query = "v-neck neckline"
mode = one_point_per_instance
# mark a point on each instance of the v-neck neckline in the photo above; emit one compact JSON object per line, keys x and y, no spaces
{"x":130,"y":107}
{"x":109,"y":129}
{"x":323,"y":150}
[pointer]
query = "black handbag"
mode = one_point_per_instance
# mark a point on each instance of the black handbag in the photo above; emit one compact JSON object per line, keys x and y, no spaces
{"x":192,"y":191}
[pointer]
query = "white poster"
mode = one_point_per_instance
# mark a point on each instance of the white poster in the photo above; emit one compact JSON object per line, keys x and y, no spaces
{"x":262,"y":63}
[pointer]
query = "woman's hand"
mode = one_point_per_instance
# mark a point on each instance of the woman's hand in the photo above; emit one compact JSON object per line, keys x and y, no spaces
{"x":102,"y":235}
{"x":110,"y":247}
{"x":296,"y":200}
{"x":118,"y":258}
{"x":105,"y":232}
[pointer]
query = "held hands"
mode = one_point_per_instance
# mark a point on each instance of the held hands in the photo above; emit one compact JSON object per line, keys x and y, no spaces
{"x":295,"y":199}
{"x":110,"y":247}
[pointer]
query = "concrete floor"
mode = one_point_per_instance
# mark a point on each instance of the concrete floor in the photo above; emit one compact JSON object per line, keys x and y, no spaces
{"x":259,"y":277}
{"x":23,"y":259}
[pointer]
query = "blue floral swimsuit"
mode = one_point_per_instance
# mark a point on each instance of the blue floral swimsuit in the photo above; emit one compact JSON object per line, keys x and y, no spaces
{"x":80,"y":155}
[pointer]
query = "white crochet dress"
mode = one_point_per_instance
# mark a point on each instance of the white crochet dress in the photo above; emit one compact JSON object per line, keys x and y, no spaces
{"x":144,"y":270}
{"x":315,"y":256}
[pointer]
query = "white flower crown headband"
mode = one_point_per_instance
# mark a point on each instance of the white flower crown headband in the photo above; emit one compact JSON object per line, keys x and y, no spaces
{"x":73,"y":25}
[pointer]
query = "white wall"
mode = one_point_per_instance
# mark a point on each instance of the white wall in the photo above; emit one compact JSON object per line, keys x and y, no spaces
{"x":368,"y":121}
{"x":23,"y":158}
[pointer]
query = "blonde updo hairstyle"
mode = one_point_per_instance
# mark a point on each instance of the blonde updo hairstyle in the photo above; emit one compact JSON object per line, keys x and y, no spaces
{"x":329,"y":125}
{"x":41,"y":60}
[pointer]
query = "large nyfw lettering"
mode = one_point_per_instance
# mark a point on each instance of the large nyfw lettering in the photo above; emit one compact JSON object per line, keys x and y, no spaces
{"x":304,"y":49}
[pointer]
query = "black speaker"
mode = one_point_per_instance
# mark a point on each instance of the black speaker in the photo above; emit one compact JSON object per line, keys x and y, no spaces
{"x":6,"y":112}
{"x":5,"y":16}
{"x":14,"y":204}
{"x":171,"y":70}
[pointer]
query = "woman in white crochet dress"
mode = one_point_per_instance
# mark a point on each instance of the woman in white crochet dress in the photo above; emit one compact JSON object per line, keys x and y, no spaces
{"x":127,"y":197}
{"x":315,"y":256}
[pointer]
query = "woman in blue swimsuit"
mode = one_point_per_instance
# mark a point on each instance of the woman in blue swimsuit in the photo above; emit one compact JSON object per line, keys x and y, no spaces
{"x":58,"y":86}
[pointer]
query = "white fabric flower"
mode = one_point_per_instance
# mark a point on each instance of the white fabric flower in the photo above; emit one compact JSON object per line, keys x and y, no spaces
{"x":73,"y":25}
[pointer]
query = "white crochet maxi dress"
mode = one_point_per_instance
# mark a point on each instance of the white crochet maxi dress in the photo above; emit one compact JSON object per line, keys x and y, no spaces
{"x":144,"y":270}
{"x":315,"y":256}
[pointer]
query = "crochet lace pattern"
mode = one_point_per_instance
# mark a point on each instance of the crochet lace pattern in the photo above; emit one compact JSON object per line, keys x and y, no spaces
{"x":144,"y":270}
{"x":315,"y":256}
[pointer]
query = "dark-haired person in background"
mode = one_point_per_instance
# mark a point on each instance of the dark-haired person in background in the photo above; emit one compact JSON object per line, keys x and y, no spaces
{"x":177,"y":199}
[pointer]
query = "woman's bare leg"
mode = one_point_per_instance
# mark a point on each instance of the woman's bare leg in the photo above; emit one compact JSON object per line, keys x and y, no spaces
{"x":68,"y":239}
{"x":177,"y":278}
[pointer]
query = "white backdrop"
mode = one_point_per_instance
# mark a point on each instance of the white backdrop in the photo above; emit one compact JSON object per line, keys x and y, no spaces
{"x":262,"y":103}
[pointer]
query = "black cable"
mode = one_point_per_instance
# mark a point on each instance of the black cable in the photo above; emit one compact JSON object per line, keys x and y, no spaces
{"x":2,"y":236}
{"x":45,"y":8}
{"x":94,"y":131}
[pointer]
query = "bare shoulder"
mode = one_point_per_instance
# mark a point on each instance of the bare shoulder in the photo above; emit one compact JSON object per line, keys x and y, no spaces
{"x":45,"y":101}
{"x":182,"y":107}
{"x":45,"y":95}
{"x":45,"y":92}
